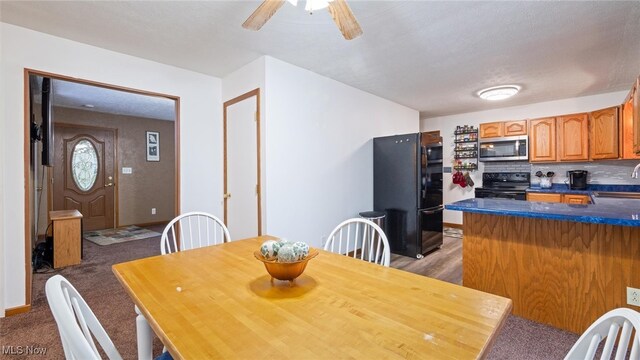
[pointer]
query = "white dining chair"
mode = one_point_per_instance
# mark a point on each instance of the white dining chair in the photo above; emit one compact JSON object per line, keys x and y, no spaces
{"x":193,"y":230}
{"x":608,"y":326}
{"x":77,"y":324}
{"x":360,"y":238}
{"x":187,"y":231}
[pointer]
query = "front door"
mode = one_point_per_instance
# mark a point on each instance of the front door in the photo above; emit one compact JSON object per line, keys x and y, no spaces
{"x":242,"y":189}
{"x":83,"y":173}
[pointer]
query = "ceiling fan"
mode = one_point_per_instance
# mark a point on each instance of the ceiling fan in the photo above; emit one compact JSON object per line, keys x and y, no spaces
{"x":339,"y":10}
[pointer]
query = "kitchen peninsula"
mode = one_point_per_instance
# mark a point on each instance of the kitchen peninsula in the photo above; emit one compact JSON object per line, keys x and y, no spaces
{"x":561,"y":264}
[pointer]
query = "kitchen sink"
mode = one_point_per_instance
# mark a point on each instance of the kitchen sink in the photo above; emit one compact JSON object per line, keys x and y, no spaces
{"x":616,"y":195}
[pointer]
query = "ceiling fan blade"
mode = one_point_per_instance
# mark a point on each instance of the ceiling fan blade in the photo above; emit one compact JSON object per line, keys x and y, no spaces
{"x":263,"y":13}
{"x":344,"y":19}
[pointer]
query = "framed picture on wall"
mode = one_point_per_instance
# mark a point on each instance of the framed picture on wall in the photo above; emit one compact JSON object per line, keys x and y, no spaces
{"x":153,"y":146}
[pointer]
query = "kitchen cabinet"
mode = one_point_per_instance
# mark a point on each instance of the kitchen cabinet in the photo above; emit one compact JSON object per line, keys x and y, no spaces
{"x":603,"y":133}
{"x":626,"y":128}
{"x":559,"y":198}
{"x":542,"y":140}
{"x":573,"y":137}
{"x":636,"y":116}
{"x":576,"y":199}
{"x":431,"y":137}
{"x":515,"y":128}
{"x":491,"y":130}
{"x":544,"y":197}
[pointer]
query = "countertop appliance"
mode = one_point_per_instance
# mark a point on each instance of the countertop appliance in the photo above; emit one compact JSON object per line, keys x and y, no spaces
{"x":577,"y":179}
{"x":510,"y":148}
{"x":504,"y":185}
{"x":407,"y":186}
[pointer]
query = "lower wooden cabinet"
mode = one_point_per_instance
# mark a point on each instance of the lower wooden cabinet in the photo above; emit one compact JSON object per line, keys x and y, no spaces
{"x":544,"y":197}
{"x":559,"y":198}
{"x":575,"y":199}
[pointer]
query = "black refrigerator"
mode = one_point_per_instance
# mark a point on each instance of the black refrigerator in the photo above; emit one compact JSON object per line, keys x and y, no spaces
{"x":407,"y":186}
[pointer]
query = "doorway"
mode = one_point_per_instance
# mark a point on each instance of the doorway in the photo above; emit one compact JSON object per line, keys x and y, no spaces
{"x":85,"y":177}
{"x":242,"y":188}
{"x":87,"y":172}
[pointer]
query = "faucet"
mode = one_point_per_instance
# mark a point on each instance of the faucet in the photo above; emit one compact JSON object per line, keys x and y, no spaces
{"x":634,"y":174}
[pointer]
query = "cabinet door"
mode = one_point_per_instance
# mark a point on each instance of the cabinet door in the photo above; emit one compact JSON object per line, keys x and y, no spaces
{"x":573,"y":137}
{"x":491,"y":130}
{"x":430,"y":137}
{"x":542,"y":140}
{"x":604,"y":134}
{"x":513,"y":128}
{"x":636,"y":117}
{"x":544,"y":197}
{"x":575,"y":199}
{"x":627,"y":122}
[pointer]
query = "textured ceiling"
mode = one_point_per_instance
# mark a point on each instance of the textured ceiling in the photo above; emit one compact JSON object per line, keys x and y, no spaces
{"x":75,"y":95}
{"x":430,"y":56}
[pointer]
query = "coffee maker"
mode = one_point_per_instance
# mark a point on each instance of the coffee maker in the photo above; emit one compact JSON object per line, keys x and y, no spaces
{"x":577,"y":179}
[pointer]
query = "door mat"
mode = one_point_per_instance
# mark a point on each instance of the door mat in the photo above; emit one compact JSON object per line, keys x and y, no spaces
{"x":119,"y":235}
{"x":452,"y":232}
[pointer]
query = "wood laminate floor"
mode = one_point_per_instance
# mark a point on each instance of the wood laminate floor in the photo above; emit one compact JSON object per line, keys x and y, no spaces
{"x":444,"y":264}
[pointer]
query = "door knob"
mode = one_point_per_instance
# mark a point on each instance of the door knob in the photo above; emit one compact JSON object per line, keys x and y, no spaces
{"x":109,"y":184}
{"x":227,"y":195}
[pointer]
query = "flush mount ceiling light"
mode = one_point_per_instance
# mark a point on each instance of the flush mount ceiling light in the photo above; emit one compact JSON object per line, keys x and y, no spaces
{"x":498,"y":92}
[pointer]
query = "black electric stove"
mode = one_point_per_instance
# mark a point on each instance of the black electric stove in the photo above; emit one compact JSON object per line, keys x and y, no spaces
{"x":504,"y":185}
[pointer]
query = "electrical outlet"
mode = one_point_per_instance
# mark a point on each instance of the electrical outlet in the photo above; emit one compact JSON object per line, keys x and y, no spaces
{"x":633,"y":296}
{"x":153,"y":211}
{"x":127,"y":170}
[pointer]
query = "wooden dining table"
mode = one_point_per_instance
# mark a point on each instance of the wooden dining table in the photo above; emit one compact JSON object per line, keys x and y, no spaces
{"x":219,"y":302}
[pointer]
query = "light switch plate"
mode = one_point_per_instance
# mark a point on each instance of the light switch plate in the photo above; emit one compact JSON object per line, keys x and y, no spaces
{"x":127,"y":170}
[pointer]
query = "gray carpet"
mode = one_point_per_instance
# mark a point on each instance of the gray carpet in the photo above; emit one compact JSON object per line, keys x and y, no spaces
{"x":520,"y":339}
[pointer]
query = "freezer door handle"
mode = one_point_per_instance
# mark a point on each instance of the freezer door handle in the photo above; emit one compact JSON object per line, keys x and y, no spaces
{"x":432,"y":211}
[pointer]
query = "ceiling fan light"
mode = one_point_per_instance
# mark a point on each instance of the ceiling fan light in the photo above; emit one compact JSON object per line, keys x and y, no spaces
{"x":313,"y":5}
{"x":498,"y":92}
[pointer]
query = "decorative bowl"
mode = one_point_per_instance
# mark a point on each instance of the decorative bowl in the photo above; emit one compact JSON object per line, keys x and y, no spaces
{"x":285,"y":270}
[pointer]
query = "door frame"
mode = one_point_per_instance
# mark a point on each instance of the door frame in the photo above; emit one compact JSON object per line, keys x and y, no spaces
{"x":116,"y":210}
{"x":27,"y":157}
{"x":247,"y":95}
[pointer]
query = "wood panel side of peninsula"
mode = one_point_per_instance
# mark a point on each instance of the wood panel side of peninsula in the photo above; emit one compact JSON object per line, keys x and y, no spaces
{"x":565,"y":274}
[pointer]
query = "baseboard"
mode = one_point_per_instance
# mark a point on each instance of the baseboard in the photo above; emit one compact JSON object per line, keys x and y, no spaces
{"x":452,"y":225}
{"x":149,"y":223}
{"x":17,"y":310}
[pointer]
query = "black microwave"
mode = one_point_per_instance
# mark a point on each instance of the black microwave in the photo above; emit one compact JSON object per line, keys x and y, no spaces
{"x":504,"y":149}
{"x":433,"y":153}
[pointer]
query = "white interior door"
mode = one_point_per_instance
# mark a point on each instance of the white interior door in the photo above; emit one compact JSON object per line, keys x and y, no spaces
{"x":242,"y":169}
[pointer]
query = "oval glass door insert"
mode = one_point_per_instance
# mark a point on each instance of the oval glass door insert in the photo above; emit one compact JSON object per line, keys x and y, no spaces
{"x":84,"y":165}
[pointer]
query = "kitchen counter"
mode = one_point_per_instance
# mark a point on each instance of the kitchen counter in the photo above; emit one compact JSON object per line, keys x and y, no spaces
{"x":561,"y":264}
{"x":622,"y":212}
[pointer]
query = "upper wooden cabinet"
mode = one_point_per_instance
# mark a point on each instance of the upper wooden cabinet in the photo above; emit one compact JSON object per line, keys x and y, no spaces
{"x":542,"y":140}
{"x":626,"y":128}
{"x":573,"y":137}
{"x":604,"y":134}
{"x":430,"y":137}
{"x":514,"y":128}
{"x":491,"y":130}
{"x":636,"y":116}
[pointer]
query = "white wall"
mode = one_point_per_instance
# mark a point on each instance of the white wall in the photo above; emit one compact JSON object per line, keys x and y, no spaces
{"x":3,"y":116}
{"x":447,"y":125}
{"x":241,"y":81}
{"x":200,"y":126}
{"x":319,"y":150}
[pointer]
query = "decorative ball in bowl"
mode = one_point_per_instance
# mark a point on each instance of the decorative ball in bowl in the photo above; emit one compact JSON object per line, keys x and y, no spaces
{"x":289,"y":260}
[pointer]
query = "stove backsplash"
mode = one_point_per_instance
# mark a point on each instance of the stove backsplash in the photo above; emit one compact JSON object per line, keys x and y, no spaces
{"x":601,"y":172}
